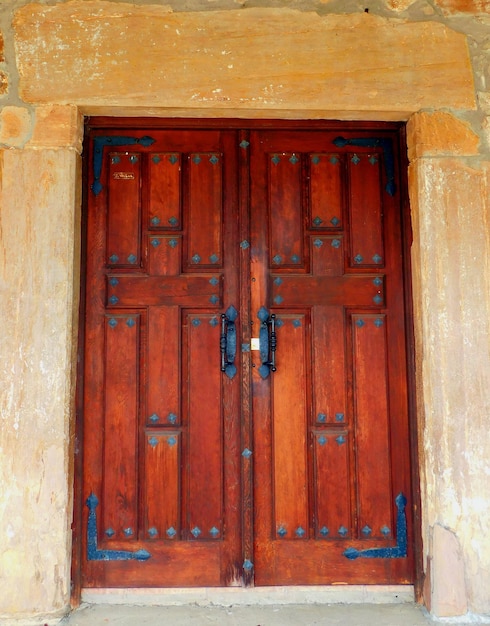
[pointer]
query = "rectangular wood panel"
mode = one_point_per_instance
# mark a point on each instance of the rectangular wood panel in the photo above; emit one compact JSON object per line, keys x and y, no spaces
{"x":372,"y":426}
{"x":329,"y":371}
{"x":285,"y":215}
{"x":163,"y":366}
{"x":327,"y":254}
{"x":204,"y":221}
{"x":164,"y":191}
{"x":121,"y":421}
{"x":326,"y":199}
{"x":366,"y":211}
{"x":164,"y":253}
{"x":153,"y":290}
{"x":204,"y":422}
{"x":162,"y":485}
{"x":333,"y":519}
{"x":350,"y":290}
{"x":290,"y":462}
{"x":124,"y":209}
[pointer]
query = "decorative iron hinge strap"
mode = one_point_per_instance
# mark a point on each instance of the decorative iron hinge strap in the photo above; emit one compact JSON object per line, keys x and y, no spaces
{"x":93,"y":553}
{"x":375,"y":142}
{"x":100,"y":142}
{"x":396,"y":552}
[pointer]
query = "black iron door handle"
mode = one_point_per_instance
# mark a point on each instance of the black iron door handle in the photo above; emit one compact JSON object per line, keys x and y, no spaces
{"x":267,"y":342}
{"x":227,"y":341}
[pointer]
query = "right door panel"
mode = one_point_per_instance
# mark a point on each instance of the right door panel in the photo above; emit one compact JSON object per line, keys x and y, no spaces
{"x":331,"y":441}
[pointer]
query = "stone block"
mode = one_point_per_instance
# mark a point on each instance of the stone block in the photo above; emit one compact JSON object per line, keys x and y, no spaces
{"x":448,"y":588}
{"x":15,"y":126}
{"x":4,"y":83}
{"x":440,"y":134}
{"x":39,"y":278}
{"x":57,"y":126}
{"x":107,"y":54}
{"x":451,"y":7}
{"x":399,"y":5}
{"x":451,"y":278}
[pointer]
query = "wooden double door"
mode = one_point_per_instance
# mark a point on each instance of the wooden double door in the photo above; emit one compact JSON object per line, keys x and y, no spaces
{"x":245,"y":415}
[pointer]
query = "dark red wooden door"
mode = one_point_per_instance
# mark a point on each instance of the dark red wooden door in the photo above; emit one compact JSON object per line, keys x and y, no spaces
{"x":200,"y":470}
{"x":161,"y":431}
{"x":330,"y":424}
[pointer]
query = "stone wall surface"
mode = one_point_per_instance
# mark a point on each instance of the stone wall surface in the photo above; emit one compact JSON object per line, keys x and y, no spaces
{"x":425,"y":61}
{"x":453,"y":327}
{"x":38,"y":278}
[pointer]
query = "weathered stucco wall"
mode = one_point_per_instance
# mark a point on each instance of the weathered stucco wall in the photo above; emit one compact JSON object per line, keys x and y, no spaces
{"x":426,"y":61}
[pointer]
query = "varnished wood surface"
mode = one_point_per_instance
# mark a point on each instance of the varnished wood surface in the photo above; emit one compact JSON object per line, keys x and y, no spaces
{"x":202,"y":192}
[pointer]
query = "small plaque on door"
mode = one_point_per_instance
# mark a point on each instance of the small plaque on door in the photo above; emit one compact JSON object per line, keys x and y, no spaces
{"x":255,"y":345}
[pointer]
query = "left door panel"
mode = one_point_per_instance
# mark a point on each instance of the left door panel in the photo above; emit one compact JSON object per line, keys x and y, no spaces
{"x":161,"y":431}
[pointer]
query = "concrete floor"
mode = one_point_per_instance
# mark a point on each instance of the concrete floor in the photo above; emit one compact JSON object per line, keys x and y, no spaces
{"x":260,"y":606}
{"x":275,"y":615}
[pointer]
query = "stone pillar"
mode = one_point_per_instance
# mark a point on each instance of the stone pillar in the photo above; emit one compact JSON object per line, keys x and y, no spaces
{"x":451,"y":276}
{"x":39,"y":270}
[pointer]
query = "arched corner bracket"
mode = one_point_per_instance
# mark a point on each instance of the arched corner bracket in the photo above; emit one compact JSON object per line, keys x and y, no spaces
{"x":93,"y":553}
{"x":375,"y":142}
{"x":100,"y":142}
{"x":396,"y":552}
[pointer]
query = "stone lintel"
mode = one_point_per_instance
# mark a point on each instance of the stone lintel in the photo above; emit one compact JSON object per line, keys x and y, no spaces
{"x":354,"y":114}
{"x":57,"y":126}
{"x":440,"y":134}
{"x":105,"y":54}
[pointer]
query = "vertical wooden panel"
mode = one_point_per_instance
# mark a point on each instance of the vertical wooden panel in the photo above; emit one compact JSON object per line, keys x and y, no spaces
{"x":372,"y":424}
{"x":164,"y":255}
{"x":162,"y":485}
{"x":366,"y":232}
{"x":164,"y":190}
{"x":325,"y":191}
{"x":286,"y":220}
{"x":332,"y":485}
{"x":123,"y":211}
{"x":163,"y":366}
{"x":289,"y":446}
{"x":329,"y":386}
{"x":327,"y":254}
{"x":204,"y":223}
{"x":204,"y":419}
{"x":121,"y":417}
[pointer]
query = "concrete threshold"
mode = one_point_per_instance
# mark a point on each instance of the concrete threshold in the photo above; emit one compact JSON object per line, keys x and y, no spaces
{"x":256,"y":596}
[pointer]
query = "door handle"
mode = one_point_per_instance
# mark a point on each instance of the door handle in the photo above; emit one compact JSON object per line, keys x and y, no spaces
{"x":227,"y":341}
{"x":267,"y":342}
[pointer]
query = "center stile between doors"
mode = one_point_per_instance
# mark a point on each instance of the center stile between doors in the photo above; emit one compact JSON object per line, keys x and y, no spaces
{"x":244,"y":383}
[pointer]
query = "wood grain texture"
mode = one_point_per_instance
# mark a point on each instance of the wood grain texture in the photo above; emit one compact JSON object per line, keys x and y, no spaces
{"x":326,"y":434}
